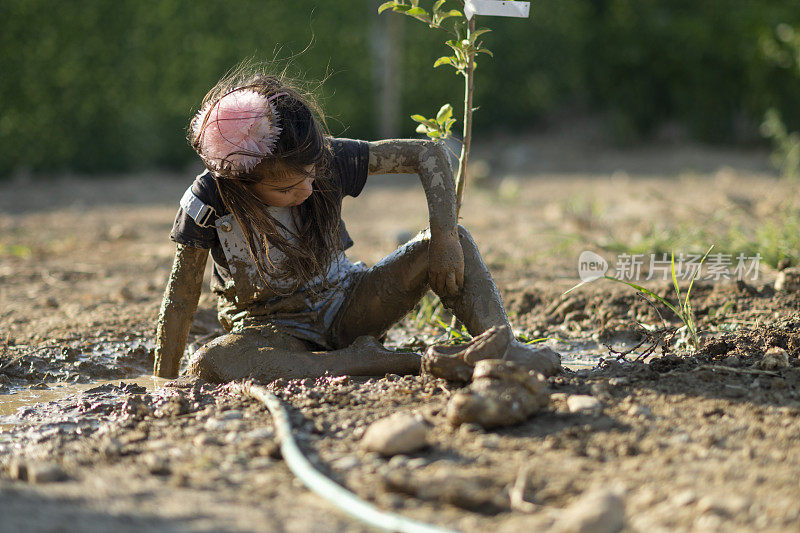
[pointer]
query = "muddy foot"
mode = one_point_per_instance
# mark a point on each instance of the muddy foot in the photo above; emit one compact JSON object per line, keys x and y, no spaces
{"x":445,"y":361}
{"x":541,"y":359}
{"x":502,"y":393}
{"x":455,"y":362}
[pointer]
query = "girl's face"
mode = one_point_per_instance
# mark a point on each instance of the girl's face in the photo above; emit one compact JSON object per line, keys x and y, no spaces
{"x":290,"y":190}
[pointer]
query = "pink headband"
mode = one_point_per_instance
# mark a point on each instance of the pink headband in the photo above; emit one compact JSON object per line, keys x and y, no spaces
{"x":237,"y":131}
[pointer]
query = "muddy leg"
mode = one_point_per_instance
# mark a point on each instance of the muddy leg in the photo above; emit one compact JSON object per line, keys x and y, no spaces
{"x":393,"y":286}
{"x":266,"y":355}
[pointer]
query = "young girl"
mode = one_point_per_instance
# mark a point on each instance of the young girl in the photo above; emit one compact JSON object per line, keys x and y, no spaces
{"x":268,"y":209}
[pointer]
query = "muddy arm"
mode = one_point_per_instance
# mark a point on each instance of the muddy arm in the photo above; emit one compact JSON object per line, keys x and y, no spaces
{"x":429,"y":160}
{"x":177,"y":309}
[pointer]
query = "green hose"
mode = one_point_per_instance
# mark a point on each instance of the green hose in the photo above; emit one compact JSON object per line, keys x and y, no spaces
{"x":321,"y":485}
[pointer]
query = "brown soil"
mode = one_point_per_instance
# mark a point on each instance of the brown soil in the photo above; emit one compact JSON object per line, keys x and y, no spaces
{"x":702,"y":442}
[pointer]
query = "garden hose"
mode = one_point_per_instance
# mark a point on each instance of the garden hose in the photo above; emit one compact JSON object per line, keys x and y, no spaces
{"x":322,"y":485}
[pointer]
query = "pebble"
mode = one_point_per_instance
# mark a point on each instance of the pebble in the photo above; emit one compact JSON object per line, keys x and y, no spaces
{"x":232,"y":437}
{"x":775,"y":358}
{"x":597,"y":511}
{"x":418,"y":462}
{"x":584,"y":404}
{"x":398,"y":461}
{"x":158,"y":466}
{"x":215,"y":424}
{"x":640,"y":411}
{"x":618,"y":382}
{"x":18,"y":470}
{"x":470,"y":428}
{"x":722,"y":505}
{"x":233,"y":414}
{"x":204,"y":440}
{"x":46,"y":473}
{"x":399,"y":433}
{"x":732,"y":360}
{"x":788,"y":280}
{"x":684,"y":498}
{"x":260,"y":434}
{"x":348,"y":462}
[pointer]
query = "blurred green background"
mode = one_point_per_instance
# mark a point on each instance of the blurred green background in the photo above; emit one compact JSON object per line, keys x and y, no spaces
{"x":99,"y":86}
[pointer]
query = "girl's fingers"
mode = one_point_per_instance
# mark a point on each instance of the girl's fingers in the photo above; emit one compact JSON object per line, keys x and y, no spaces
{"x":434,"y":281}
{"x":452,"y":288}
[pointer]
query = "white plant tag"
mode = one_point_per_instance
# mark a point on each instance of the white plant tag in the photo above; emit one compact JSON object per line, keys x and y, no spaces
{"x":497,"y":8}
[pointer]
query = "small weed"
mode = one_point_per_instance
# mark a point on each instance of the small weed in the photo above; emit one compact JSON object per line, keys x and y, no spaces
{"x":15,"y":250}
{"x":683,"y":310}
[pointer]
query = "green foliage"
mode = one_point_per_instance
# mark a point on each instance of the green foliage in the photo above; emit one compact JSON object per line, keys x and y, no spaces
{"x":786,"y":153}
{"x":682,"y":309}
{"x":782,"y":49}
{"x":464,"y":45}
{"x":439,"y":127}
{"x":110,"y":86}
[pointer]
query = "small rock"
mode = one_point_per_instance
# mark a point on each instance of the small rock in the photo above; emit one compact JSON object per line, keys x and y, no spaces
{"x":582,"y":404}
{"x":18,"y":470}
{"x":640,"y":411}
{"x":232,"y":437}
{"x":398,"y":461}
{"x":788,"y":280}
{"x":722,"y":505}
{"x":348,"y":462}
{"x":415,"y":463}
{"x":46,"y":473}
{"x":618,"y":382}
{"x":260,"y":434}
{"x":399,"y":433}
{"x":470,"y":428}
{"x":598,"y":511}
{"x":682,"y":499}
{"x":204,"y":440}
{"x":215,"y":424}
{"x":158,"y":466}
{"x":732,"y":360}
{"x":775,"y":358}
{"x":233,"y":414}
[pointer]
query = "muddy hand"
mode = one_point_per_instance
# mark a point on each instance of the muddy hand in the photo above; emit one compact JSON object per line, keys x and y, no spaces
{"x":446,"y":264}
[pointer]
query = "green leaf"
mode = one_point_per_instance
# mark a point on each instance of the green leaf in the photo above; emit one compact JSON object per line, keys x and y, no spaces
{"x":418,"y":118}
{"x":386,"y":5}
{"x":451,"y":13}
{"x":437,"y":5}
{"x":484,"y":51}
{"x":445,"y":112}
{"x":696,"y":272}
{"x":434,"y":134}
{"x":443,"y":60}
{"x":401,"y":8}
{"x":416,"y":11}
{"x":477,"y":33}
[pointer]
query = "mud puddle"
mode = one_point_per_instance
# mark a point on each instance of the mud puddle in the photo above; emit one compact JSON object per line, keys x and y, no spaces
{"x":77,"y":360}
{"x":18,"y":399}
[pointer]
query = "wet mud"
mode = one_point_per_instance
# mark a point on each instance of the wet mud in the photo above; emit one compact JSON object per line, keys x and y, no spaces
{"x":692,"y":442}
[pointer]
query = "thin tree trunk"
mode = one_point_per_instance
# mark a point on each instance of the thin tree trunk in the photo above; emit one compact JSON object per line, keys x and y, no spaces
{"x":461,"y":177}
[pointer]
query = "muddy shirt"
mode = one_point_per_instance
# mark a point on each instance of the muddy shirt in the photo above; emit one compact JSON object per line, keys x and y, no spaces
{"x":348,"y":173}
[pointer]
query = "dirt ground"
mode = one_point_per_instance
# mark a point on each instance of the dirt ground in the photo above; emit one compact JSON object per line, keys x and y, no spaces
{"x":702,"y":442}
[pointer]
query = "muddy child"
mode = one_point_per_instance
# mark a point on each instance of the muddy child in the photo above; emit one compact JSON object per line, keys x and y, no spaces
{"x":268,"y":210}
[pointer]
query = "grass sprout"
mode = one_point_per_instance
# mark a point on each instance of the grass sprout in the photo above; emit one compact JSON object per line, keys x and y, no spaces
{"x":683,"y":309}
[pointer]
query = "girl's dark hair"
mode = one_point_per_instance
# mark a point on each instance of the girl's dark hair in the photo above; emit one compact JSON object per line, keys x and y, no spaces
{"x":302,"y":141}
